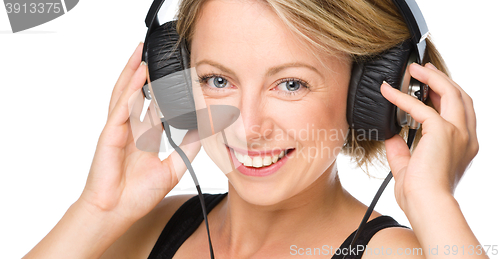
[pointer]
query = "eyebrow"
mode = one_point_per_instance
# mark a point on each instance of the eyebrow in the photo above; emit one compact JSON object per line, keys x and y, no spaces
{"x":270,"y":71}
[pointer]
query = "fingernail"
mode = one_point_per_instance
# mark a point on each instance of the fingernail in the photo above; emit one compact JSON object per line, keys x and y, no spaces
{"x":386,"y":85}
{"x":432,"y":66}
{"x":143,"y":63}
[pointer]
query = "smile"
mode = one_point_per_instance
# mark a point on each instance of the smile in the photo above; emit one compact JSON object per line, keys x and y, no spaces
{"x":259,"y":165}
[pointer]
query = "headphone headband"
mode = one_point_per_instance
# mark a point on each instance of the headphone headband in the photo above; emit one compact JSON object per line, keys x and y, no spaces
{"x":416,"y":24}
{"x":152,"y":22}
{"x":151,"y":18}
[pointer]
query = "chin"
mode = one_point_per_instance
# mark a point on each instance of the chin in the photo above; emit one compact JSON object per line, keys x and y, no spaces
{"x":264,"y":193}
{"x":277,"y":188}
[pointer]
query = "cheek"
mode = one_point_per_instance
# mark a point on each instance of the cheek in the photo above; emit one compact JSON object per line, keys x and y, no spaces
{"x":320,"y":111}
{"x":318,"y":127}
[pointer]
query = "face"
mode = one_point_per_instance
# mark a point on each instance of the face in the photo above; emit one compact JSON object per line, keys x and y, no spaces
{"x":290,"y":96}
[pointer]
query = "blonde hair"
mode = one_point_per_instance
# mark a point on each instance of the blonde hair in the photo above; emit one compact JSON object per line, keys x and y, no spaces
{"x":360,"y":28}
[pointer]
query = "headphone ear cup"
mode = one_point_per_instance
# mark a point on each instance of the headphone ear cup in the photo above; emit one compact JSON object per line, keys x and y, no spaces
{"x":170,"y":77}
{"x":368,"y":112}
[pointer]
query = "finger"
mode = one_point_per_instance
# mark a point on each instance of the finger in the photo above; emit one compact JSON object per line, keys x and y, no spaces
{"x":417,"y":109}
{"x":126,"y":75}
{"x":190,"y":145}
{"x":470,"y":114}
{"x":120,"y":113}
{"x":431,"y":66}
{"x":398,"y":155}
{"x":436,"y":100}
{"x":451,"y":105}
{"x":467,"y":100}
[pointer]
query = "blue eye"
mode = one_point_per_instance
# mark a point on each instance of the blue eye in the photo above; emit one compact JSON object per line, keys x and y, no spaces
{"x":286,"y":86}
{"x":213,"y":82}
{"x":218,"y":81}
{"x":291,"y":85}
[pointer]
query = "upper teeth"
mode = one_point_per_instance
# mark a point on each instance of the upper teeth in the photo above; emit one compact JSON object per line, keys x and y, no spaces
{"x":258,"y":161}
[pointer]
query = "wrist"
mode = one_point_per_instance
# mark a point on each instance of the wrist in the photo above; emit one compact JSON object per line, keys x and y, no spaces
{"x":423,"y":199}
{"x":109,"y":211}
{"x":431,"y":203}
{"x":437,"y":221}
{"x":90,"y":214}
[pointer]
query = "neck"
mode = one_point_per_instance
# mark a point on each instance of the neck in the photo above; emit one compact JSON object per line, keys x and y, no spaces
{"x":246,"y":228}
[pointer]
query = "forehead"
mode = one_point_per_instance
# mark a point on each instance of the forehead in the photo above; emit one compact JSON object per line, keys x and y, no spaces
{"x":240,"y":33}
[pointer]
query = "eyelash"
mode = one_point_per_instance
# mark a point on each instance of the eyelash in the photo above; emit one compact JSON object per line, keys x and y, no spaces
{"x":203,"y":79}
{"x":303,"y":83}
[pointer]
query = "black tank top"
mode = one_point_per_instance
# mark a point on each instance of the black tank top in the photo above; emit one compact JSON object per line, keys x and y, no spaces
{"x":189,"y":217}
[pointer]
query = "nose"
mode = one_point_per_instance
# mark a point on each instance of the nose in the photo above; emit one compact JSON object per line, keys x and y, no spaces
{"x":256,"y":124}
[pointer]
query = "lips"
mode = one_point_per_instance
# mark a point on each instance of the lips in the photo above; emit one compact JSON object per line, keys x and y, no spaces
{"x":261,"y":165}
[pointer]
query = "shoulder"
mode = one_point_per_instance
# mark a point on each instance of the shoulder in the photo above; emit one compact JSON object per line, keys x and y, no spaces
{"x":394,"y":242}
{"x":139,"y":239}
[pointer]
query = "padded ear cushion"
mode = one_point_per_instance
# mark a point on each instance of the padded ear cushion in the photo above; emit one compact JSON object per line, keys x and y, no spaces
{"x":368,"y":112}
{"x":170,"y":77}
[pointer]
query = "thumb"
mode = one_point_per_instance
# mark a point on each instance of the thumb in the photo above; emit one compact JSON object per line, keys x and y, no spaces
{"x":190,"y":145}
{"x":398,"y":155}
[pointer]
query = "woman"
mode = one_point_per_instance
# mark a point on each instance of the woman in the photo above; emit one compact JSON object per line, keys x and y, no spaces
{"x":282,"y":75}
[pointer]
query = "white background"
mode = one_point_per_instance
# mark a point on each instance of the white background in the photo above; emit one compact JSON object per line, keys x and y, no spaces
{"x":56,"y":80}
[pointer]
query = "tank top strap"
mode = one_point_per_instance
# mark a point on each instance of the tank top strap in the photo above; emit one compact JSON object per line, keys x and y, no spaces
{"x":182,"y":225}
{"x":370,"y":229}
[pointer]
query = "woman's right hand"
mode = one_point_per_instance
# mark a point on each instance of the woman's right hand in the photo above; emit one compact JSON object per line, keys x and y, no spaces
{"x":124,"y":180}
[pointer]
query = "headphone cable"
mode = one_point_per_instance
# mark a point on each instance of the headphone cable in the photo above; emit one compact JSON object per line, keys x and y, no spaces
{"x":409,"y":142}
{"x":166,"y":126}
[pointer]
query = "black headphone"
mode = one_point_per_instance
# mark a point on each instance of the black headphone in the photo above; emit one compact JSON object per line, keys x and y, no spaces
{"x":368,"y":112}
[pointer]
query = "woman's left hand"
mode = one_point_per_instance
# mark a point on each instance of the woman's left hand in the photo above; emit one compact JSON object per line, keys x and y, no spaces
{"x":448,"y":144}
